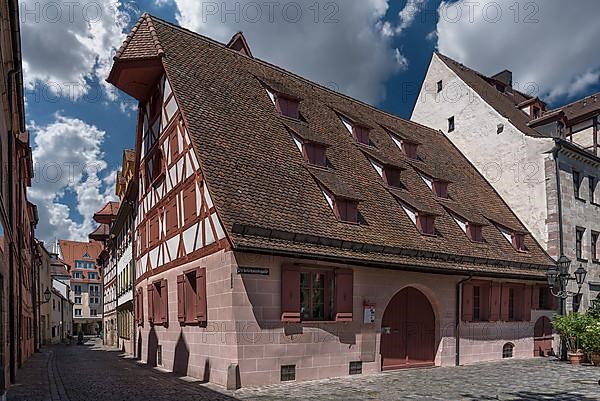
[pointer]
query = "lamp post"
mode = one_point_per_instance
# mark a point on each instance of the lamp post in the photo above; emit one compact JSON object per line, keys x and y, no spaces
{"x":47,"y":296}
{"x":559,"y":278}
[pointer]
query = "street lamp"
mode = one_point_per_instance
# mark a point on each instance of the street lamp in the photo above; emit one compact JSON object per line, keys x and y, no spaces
{"x":47,"y":296}
{"x":560,"y":277}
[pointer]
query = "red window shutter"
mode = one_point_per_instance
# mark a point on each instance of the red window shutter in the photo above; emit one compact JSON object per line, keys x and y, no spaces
{"x":526,"y":316}
{"x":290,"y":294}
{"x":171,"y":216}
{"x":314,"y":154}
{"x":151,"y":303}
{"x":485,"y":301}
{"x":426,"y":224}
{"x":392,"y":176}
{"x":174,"y":144}
{"x":440,"y":189}
{"x":519,"y":242}
{"x":495,"y":296}
{"x":361,"y":134}
{"x":189,"y":203}
{"x":181,"y":298}
{"x":201,"y":304}
{"x":467,"y":302}
{"x":153,"y":237}
{"x":164,"y":300}
{"x":288,"y":107}
{"x":474,"y":232}
{"x":346,"y":210}
{"x":344,"y":290}
{"x":504,"y":303}
{"x":535,"y":297}
{"x":140,"y":307}
{"x":410,"y":149}
{"x":142,"y":237}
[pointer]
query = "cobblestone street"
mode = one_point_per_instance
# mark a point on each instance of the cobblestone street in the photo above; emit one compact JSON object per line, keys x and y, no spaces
{"x":92,"y":372}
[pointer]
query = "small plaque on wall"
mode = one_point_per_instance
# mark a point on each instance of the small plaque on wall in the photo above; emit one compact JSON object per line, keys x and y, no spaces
{"x":261,"y":271}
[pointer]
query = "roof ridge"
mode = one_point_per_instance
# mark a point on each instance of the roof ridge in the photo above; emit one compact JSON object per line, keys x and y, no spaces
{"x":283,"y":70}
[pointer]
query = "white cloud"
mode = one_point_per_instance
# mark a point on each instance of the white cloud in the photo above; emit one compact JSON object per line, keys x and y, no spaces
{"x":409,"y":12}
{"x":341,"y":46}
{"x":549,"y":45}
{"x":69,"y":163}
{"x":66,"y":45}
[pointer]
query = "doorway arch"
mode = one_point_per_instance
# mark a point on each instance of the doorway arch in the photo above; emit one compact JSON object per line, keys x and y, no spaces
{"x":408,"y":331}
{"x":542,"y":337}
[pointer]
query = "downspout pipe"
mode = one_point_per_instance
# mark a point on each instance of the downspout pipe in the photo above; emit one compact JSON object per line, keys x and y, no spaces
{"x":459,"y":287}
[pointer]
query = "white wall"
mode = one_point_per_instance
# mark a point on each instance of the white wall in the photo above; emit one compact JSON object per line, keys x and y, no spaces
{"x":512,"y":162}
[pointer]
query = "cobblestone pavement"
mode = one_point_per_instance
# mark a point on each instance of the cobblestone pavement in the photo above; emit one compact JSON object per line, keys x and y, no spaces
{"x":93,"y":372}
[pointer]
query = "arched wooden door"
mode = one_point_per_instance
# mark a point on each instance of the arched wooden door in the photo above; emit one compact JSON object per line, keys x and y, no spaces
{"x":542,"y":337}
{"x":408,"y":331}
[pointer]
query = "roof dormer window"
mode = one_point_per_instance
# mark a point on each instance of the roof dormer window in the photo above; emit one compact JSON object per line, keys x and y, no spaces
{"x":314,"y":153}
{"x":515,"y":238}
{"x":287,"y":106}
{"x":440,"y":188}
{"x":346,"y":210}
{"x":390,"y":174}
{"x":360,"y":132}
{"x":409,"y":149}
{"x":426,"y":223}
{"x":475,"y":232}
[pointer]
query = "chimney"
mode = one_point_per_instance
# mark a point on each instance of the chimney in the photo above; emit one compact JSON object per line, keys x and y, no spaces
{"x":505,"y":77}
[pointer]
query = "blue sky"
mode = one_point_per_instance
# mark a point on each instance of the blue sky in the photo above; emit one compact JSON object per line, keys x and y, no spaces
{"x":376,"y":50}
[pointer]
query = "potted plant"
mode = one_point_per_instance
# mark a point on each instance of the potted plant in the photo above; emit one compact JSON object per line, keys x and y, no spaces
{"x":590,"y":339}
{"x":570,"y":328}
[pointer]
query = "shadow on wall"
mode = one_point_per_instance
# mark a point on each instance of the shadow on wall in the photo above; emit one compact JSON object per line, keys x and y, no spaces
{"x":182,"y":356}
{"x":138,"y":355}
{"x":152,"y":356}
{"x":346,"y":333}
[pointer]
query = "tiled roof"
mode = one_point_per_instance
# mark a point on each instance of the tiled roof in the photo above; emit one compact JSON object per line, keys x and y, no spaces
{"x":582,"y":107}
{"x":100,"y":233}
{"x":74,"y":250}
{"x":258,"y":178}
{"x":110,"y":209}
{"x":504,"y":103}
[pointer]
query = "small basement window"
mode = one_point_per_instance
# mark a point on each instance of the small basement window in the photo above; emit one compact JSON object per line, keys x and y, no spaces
{"x":507,"y":350}
{"x":451,"y":124}
{"x":288,"y":373}
{"x":355,"y":368}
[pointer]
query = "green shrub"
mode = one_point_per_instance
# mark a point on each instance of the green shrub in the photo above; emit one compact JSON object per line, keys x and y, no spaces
{"x":571,"y":329}
{"x":590,"y":338}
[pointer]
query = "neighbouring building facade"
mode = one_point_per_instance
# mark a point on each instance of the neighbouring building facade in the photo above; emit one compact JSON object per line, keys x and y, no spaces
{"x":544,"y":163}
{"x":123,"y":232}
{"x":18,"y":217}
{"x":107,"y":264}
{"x":288,"y":232}
{"x":86,"y":284}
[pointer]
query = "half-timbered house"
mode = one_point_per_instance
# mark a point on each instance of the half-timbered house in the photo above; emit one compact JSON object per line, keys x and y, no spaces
{"x":288,"y":232}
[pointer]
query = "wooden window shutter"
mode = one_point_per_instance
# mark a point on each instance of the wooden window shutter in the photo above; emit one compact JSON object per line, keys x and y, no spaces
{"x":526,"y":316}
{"x":361,"y":134}
{"x":410,"y":149}
{"x":142,"y":237}
{"x":189,"y":203}
{"x":518,"y":241}
{"x":171,"y":217}
{"x":495,"y":302}
{"x":151,"y":303}
{"x":440,"y":188}
{"x":535,"y":297}
{"x":392,"y":176}
{"x":314,"y":153}
{"x":201,"y":304}
{"x":290,"y":294}
{"x":174,"y":143}
{"x":164,"y":300}
{"x":467,"y":302}
{"x":344,"y":290}
{"x":504,"y":303}
{"x":181,"y":298}
{"x":485,"y":301}
{"x":474,"y":232}
{"x":288,"y":107}
{"x":140,"y":307}
{"x":153,"y":231}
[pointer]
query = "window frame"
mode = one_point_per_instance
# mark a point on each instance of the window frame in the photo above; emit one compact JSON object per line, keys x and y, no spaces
{"x":592,"y":184}
{"x":579,"y":236}
{"x":594,"y":245}
{"x":576,"y":175}
{"x":451,"y":124}
{"x":440,"y":86}
{"x":328,"y":295}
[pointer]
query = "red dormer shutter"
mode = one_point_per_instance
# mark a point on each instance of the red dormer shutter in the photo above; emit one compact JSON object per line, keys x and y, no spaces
{"x":426,"y":224}
{"x":440,"y":189}
{"x":314,"y":153}
{"x":288,"y":107}
{"x":474,"y":232}
{"x":346,"y":210}
{"x":391,"y":175}
{"x":410,"y":149}
{"x":361,"y":134}
{"x":518,"y":241}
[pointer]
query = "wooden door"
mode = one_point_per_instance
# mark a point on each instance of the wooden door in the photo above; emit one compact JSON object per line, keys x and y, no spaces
{"x":542,"y":337}
{"x":408,"y":331}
